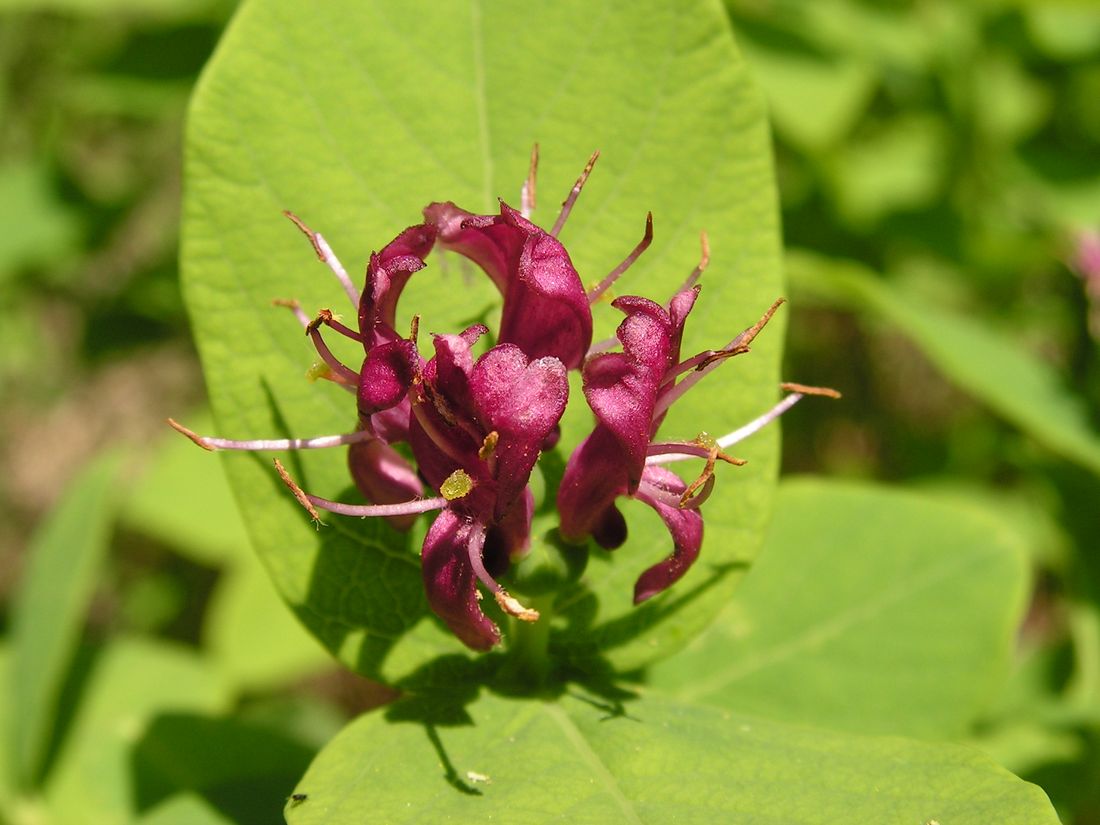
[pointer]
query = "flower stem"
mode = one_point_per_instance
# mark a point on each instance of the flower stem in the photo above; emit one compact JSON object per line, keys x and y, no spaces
{"x":529,"y":647}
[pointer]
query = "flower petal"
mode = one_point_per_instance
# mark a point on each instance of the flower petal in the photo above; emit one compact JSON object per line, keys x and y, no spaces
{"x":685,"y":525}
{"x":521,"y":401}
{"x":622,"y":387}
{"x":383,"y":476}
{"x":386,"y":375}
{"x":546,"y":310}
{"x":387,"y":274}
{"x":450,"y":581}
{"x":593,"y":479}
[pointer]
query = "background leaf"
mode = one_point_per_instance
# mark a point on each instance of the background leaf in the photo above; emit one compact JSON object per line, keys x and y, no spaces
{"x":581,"y":761}
{"x":982,"y":361}
{"x":96,"y":778}
{"x":186,"y":503}
{"x":871,"y":610}
{"x":356,"y":115}
{"x":48,"y":616}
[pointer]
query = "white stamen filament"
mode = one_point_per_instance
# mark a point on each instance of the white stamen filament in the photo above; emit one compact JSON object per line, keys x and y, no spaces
{"x":418,"y":505}
{"x":316,"y":443}
{"x":740,"y":434}
{"x":333,"y":263}
{"x":328,"y":257}
{"x":296,"y":308}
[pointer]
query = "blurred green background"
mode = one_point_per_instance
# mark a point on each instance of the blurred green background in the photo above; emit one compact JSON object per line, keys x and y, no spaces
{"x":939,"y":169}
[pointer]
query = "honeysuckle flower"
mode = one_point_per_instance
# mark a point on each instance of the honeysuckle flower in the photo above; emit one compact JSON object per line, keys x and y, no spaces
{"x":390,"y":362}
{"x":630,"y":392}
{"x":476,"y":431}
{"x":476,"y":426}
{"x":487,"y":418}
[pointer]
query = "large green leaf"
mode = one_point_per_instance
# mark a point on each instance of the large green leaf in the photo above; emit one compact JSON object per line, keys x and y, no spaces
{"x":581,"y":761}
{"x":870,"y":610}
{"x":983,"y":361}
{"x":48,"y":614}
{"x":355,"y":115}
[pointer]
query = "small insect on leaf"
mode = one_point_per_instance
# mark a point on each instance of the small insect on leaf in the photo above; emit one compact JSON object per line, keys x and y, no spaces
{"x":296,"y":799}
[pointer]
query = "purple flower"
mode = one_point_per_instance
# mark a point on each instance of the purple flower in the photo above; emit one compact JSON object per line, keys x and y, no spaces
{"x":476,"y":431}
{"x":488,"y":419}
{"x":476,"y":426}
{"x":630,"y":393}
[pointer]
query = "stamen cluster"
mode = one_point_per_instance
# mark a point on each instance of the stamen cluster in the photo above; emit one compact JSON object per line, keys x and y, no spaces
{"x":476,"y":426}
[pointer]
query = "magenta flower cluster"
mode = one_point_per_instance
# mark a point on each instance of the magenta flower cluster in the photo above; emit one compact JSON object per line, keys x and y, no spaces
{"x":476,"y":426}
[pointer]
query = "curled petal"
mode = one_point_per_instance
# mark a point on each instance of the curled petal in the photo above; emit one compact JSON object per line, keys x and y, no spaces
{"x":450,"y":581}
{"x":449,"y":371}
{"x":678,"y":310}
{"x":546,"y":310}
{"x":387,"y":274}
{"x":685,"y":526}
{"x":593,"y":479}
{"x":386,"y":375}
{"x":621,"y":388}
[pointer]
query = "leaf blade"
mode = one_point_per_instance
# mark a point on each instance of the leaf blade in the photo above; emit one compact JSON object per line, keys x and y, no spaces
{"x":903,"y":619}
{"x":657,"y":761}
{"x":48,"y":614}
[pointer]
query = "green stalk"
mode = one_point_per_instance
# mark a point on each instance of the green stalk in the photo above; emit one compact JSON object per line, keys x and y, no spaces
{"x":529,"y":645}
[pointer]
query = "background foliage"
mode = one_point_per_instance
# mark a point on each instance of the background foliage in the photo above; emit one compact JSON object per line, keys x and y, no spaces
{"x":936,"y":164}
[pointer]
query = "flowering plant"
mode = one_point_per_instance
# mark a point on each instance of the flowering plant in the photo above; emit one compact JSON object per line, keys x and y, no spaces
{"x":474,"y":426}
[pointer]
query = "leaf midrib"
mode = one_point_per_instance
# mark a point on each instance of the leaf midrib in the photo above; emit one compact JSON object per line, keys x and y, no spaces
{"x":599,"y":770}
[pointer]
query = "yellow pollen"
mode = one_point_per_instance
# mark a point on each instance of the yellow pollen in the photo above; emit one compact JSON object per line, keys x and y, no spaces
{"x":457,"y":485}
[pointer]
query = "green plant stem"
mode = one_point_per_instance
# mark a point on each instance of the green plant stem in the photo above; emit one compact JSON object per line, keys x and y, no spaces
{"x":529,"y":644}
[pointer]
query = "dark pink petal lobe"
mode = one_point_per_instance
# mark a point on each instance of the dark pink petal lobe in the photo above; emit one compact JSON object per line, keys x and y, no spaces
{"x":386,"y":375}
{"x":486,"y":240}
{"x":522,"y":401}
{"x":594,"y":477}
{"x":678,"y":310}
{"x":450,"y":581}
{"x":622,"y":387}
{"x":546,"y":310}
{"x":685,"y":526}
{"x":383,"y":476}
{"x":387,"y":274}
{"x":449,"y":372}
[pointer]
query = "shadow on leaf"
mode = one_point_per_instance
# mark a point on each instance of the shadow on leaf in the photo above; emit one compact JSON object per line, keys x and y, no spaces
{"x":243,"y":770}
